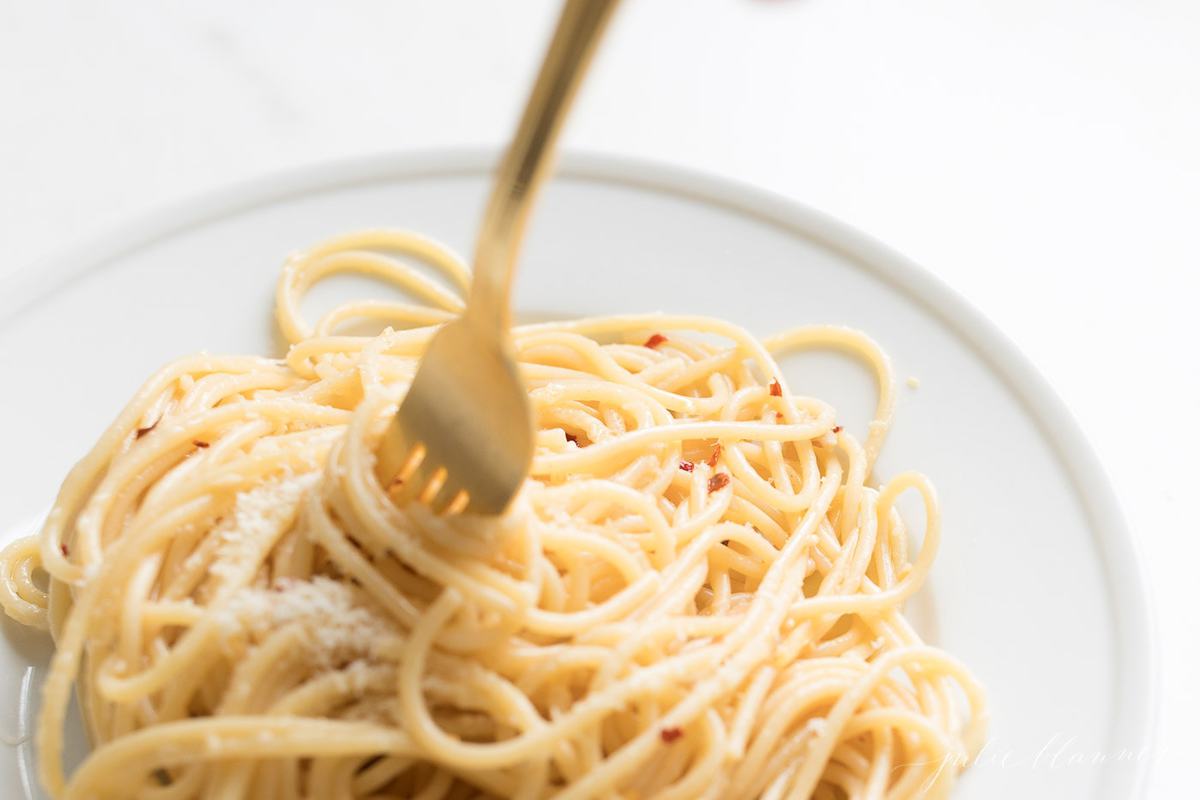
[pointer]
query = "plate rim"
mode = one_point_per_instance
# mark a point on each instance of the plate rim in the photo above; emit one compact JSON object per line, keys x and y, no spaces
{"x":1137,"y":662}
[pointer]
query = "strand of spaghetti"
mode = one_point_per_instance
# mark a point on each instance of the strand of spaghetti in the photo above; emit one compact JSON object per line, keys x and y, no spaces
{"x":22,"y":598}
{"x":580,"y":461}
{"x":233,"y":737}
{"x":862,"y":346}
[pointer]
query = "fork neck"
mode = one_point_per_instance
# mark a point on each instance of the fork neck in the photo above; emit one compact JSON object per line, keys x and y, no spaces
{"x":489,"y":301}
{"x":527,"y":162}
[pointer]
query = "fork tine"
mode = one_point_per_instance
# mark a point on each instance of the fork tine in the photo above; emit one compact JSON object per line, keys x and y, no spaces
{"x":435,"y":479}
{"x":416,"y":457}
{"x":409,"y":479}
{"x":447,"y":501}
{"x":458,"y":505}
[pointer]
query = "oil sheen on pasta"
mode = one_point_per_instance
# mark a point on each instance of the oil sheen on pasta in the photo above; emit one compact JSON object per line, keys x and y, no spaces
{"x":697,"y":593}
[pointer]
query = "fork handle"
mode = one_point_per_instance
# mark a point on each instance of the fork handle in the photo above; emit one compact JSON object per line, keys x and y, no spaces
{"x":527,"y":162}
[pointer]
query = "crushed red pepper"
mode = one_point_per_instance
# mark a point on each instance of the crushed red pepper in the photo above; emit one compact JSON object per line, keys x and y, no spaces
{"x":716,"y":454}
{"x":143,"y":431}
{"x":718,"y":481}
{"x":66,"y":551}
{"x":670,"y":734}
{"x":654,"y":341}
{"x":776,"y":389}
{"x":199,"y":443}
{"x":686,"y":466}
{"x":837,"y":428}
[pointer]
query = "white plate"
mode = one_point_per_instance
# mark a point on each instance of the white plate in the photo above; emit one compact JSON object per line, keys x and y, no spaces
{"x":1037,"y":586}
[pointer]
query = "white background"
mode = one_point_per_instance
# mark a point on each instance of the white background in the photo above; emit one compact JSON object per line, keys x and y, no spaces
{"x":1041,"y":156}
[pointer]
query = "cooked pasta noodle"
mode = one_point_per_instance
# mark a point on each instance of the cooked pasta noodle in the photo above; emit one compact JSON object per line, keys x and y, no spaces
{"x":697,"y":593}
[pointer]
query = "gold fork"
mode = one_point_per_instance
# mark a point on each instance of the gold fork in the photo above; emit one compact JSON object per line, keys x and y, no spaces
{"x":463,"y":437}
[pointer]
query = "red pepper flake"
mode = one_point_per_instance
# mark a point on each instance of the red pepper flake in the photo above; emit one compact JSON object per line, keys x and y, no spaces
{"x":396,"y":481}
{"x":670,"y":734}
{"x":686,"y":466}
{"x":143,"y":431}
{"x":718,"y":481}
{"x":572,"y":438}
{"x":778,"y":417}
{"x":66,"y":551}
{"x":716,"y":454}
{"x":837,"y":428}
{"x":776,"y":389}
{"x":654,"y":341}
{"x":199,"y":443}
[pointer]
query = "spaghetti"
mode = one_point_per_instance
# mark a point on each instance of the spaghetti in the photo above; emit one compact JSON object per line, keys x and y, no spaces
{"x":697,"y":593}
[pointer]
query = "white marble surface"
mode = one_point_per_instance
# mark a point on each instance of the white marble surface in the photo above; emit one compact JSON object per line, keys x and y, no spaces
{"x":1039,"y":155}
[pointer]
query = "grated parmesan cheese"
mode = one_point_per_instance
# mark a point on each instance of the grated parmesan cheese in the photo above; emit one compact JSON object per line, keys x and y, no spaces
{"x":334,"y":616}
{"x":259,"y":516}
